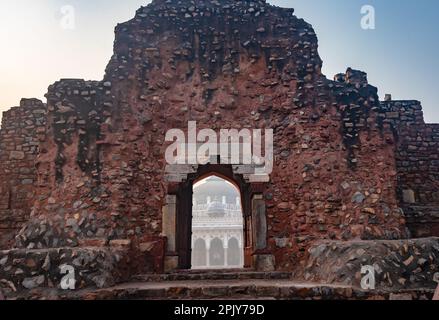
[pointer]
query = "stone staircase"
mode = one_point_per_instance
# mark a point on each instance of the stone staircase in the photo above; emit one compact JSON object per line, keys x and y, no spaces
{"x":230,"y":285}
{"x":218,"y":285}
{"x":213,"y":275}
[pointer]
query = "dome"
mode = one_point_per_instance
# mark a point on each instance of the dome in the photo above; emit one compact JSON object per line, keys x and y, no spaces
{"x":216,"y":208}
{"x":215,"y":187}
{"x":215,"y":193}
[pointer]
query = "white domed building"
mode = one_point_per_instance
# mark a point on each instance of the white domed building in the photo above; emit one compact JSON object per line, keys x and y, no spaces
{"x":217,"y":225}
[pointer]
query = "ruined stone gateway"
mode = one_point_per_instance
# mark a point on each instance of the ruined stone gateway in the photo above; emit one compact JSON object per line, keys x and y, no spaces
{"x":84,"y":183}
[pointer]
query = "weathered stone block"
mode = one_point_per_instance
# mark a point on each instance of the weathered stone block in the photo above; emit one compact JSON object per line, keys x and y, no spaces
{"x":409,"y":196}
{"x":16,"y":155}
{"x":264,"y":262}
{"x":171,"y":263}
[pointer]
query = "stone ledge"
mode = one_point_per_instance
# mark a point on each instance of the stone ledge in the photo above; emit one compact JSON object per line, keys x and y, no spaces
{"x":398,"y":264}
{"x":22,"y":270}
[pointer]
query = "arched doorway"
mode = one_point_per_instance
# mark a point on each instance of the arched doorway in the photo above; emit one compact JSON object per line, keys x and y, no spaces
{"x":217,"y":215}
{"x":184,"y":219}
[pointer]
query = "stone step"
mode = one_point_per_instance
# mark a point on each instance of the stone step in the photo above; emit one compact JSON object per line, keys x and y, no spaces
{"x":200,"y":275}
{"x":251,"y":289}
{"x":220,"y":289}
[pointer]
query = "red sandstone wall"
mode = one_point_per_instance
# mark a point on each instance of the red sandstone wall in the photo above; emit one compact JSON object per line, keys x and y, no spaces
{"x":234,"y":65}
{"x":21,"y":131}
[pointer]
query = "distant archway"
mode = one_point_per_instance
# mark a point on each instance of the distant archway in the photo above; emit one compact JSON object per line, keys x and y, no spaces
{"x":216,"y":253}
{"x":199,"y":254}
{"x":186,"y":215}
{"x":234,"y":253}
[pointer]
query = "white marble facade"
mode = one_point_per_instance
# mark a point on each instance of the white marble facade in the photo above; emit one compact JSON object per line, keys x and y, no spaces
{"x":217,"y":225}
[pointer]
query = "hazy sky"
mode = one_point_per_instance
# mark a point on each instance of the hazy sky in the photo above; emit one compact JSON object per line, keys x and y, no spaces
{"x":400,"y":55}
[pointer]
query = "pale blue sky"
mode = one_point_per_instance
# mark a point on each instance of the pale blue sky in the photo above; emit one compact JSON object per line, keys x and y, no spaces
{"x":400,"y":55}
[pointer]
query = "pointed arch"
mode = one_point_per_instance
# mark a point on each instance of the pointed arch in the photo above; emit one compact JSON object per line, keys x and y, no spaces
{"x":185,"y":192}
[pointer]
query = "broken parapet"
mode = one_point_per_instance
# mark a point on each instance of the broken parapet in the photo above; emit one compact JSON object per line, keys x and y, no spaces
{"x":353,"y":77}
{"x":356,"y":78}
{"x":358,"y":103}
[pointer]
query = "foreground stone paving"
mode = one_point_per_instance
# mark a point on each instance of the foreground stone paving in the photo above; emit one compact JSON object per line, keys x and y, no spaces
{"x":84,"y":180}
